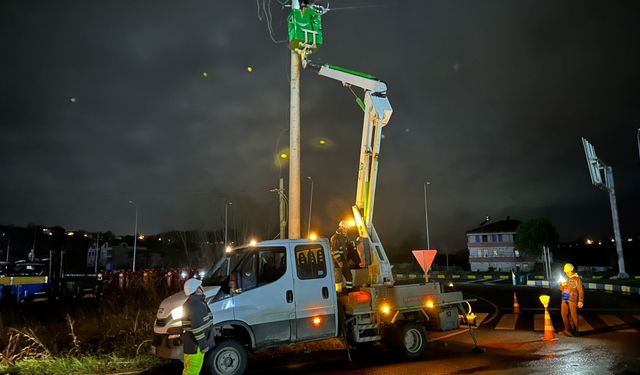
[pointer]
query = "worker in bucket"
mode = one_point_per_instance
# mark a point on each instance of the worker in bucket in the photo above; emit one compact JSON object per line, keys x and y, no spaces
{"x":198,"y":335}
{"x":340,"y":250}
{"x":572,"y":300}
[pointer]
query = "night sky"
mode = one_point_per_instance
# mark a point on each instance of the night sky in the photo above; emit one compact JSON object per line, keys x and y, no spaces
{"x":102,"y":102}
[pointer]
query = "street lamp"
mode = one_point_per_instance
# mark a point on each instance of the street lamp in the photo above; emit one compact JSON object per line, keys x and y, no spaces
{"x":95,"y":266}
{"x":226,"y":222}
{"x":638,"y":142}
{"x":426,"y":215}
{"x":310,"y":206}
{"x":135,"y":236}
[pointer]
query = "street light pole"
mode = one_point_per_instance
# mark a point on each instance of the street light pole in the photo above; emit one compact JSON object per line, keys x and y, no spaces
{"x":135,"y":236}
{"x":310,"y":206}
{"x":226,"y":222}
{"x":638,"y":142}
{"x":95,"y":266}
{"x":426,"y":215}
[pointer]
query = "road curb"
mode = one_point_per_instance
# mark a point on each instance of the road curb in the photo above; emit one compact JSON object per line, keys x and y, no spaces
{"x":624,"y":289}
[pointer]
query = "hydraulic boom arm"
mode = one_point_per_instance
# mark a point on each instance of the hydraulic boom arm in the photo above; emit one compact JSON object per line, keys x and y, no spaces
{"x":377,"y":112}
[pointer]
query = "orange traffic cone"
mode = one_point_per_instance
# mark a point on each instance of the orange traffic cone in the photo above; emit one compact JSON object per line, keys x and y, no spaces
{"x":516,"y":305}
{"x":548,"y":327}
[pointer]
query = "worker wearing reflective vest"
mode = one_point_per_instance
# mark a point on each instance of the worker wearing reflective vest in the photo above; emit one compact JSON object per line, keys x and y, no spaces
{"x":340,"y":249}
{"x":197,"y":336}
{"x":572,"y":300}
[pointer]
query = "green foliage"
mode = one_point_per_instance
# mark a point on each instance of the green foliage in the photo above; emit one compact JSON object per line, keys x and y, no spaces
{"x":81,"y":365}
{"x":535,"y":233}
{"x":101,"y":336}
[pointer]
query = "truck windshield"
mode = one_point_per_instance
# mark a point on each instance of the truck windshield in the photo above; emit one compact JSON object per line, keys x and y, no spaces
{"x":224,"y":266}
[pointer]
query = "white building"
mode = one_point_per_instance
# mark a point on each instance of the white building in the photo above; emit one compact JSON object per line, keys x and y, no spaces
{"x":104,"y":257}
{"x":121,"y":257}
{"x":492,"y":248}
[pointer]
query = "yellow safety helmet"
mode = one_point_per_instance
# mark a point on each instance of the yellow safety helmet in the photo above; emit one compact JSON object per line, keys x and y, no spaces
{"x":568,"y":268}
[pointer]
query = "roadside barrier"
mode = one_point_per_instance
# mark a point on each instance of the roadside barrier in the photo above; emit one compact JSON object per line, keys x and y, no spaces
{"x":614,"y":288}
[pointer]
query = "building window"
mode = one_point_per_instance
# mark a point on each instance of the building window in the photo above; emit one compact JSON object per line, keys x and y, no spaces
{"x":499,"y":238}
{"x":485,"y":238}
{"x":516,"y":253}
{"x":478,"y":238}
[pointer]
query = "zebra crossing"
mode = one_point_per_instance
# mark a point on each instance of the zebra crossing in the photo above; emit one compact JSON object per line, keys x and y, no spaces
{"x":587,"y":322}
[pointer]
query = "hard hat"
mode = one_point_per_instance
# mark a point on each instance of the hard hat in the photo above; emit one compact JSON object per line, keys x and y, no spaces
{"x":191,"y":285}
{"x":568,"y":267}
{"x":343,"y":224}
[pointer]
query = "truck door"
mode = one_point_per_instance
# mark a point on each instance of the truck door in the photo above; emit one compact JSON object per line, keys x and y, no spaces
{"x":314,"y":292}
{"x":264,"y":284}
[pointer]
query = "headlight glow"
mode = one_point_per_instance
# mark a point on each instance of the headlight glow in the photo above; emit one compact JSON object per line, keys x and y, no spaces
{"x":562,"y":279}
{"x":176,"y":313}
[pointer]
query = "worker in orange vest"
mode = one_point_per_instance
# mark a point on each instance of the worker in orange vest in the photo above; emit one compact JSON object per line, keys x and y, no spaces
{"x":572,"y":300}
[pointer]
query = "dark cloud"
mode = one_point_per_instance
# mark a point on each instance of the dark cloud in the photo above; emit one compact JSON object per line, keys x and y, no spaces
{"x":490,"y":101}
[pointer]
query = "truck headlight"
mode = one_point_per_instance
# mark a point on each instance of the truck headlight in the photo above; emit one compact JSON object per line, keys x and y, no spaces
{"x":176,"y":313}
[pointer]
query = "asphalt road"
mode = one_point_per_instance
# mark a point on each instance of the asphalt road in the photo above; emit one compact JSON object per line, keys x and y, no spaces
{"x":604,"y":348}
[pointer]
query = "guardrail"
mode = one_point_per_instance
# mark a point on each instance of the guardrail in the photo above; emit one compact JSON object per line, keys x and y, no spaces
{"x":453,"y":276}
{"x":625,"y":289}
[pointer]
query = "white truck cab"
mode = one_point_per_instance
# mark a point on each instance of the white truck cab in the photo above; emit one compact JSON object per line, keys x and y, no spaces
{"x":276,"y":292}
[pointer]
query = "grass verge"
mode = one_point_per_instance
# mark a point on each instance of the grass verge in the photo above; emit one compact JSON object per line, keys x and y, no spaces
{"x":82,"y":365}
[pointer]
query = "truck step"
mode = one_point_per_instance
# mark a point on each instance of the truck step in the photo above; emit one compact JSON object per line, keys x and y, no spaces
{"x":365,"y":326}
{"x":368,"y":339}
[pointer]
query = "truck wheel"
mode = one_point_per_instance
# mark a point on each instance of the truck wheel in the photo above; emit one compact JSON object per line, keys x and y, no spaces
{"x":229,"y":357}
{"x":413,"y":340}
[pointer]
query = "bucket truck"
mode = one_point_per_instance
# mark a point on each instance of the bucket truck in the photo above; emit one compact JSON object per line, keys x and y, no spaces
{"x":278,"y":292}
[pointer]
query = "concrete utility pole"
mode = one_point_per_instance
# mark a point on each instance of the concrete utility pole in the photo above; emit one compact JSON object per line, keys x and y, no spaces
{"x":283,"y":208}
{"x":426,"y":215}
{"x":310,"y":206}
{"x":294,"y":148}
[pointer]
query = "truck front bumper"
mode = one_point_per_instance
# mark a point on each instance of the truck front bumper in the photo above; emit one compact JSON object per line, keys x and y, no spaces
{"x":167,"y":346}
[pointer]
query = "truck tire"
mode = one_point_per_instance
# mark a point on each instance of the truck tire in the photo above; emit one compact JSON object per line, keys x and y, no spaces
{"x":229,"y":357}
{"x":413,"y":340}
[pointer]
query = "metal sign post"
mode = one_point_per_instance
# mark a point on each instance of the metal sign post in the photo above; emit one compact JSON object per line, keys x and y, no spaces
{"x":595,"y":166}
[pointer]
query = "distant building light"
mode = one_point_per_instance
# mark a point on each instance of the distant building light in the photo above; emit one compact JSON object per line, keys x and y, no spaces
{"x":141,"y":237}
{"x":70,"y":234}
{"x":599,"y":242}
{"x":629,"y":239}
{"x":612,"y":240}
{"x":589,"y":241}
